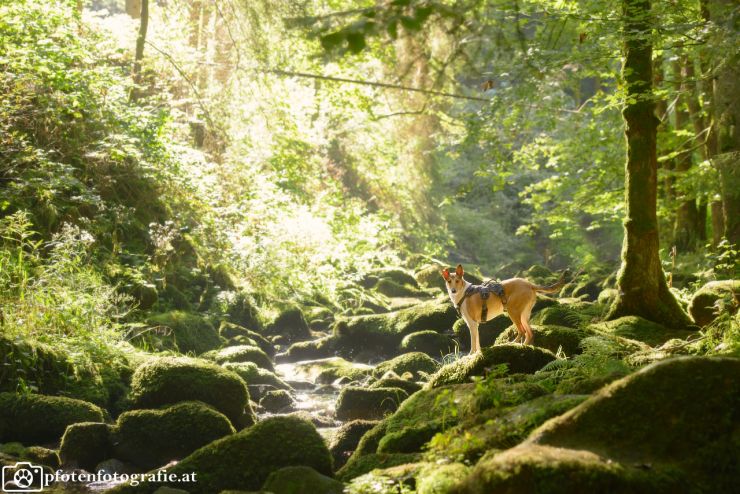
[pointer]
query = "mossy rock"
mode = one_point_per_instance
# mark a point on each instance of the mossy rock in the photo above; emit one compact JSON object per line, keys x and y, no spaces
{"x":170,"y":380}
{"x":487,"y":332}
{"x":346,"y":438}
{"x":239,"y":308}
{"x":239,"y":335}
{"x":244,"y":461}
{"x":365,"y":464}
{"x":417,"y":363}
{"x":440,"y":479}
{"x":539,"y":274}
{"x":587,"y":290}
{"x":639,"y":329}
{"x":390,"y":288}
{"x":86,"y":444}
{"x":152,"y":438}
{"x":290,"y":323}
{"x":144,"y":294}
{"x":396,"y":382}
{"x":430,"y":276}
{"x":518,"y":359}
{"x":277,"y":401}
{"x":239,"y":354}
{"x":368,"y":403}
{"x":256,"y":376}
{"x":32,"y":362}
{"x":692,"y":426}
{"x":179,"y":331}
{"x":310,"y":350}
{"x":408,"y":439}
{"x":396,"y":275}
{"x":327,"y":371}
{"x":532,"y":469}
{"x":430,"y":342}
{"x":702,"y":306}
{"x":558,"y":315}
{"x":552,"y":338}
{"x":607,"y":296}
{"x":39,"y":419}
{"x":382,"y":333}
{"x":176,"y":299}
{"x":34,"y":454}
{"x":301,"y":480}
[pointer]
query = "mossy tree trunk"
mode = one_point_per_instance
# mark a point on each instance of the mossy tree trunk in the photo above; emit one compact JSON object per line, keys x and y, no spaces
{"x":642,"y":286}
{"x":139,"y":54}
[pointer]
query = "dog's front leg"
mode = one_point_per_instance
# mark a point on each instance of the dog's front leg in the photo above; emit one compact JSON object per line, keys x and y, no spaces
{"x":474,"y":336}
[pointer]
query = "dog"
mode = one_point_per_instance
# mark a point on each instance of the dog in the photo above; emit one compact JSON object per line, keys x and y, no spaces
{"x":517,"y":298}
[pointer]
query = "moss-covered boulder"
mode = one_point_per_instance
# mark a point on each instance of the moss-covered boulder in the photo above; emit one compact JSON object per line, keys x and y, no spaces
{"x":34,"y":454}
{"x":309,"y":350}
{"x":703,"y":307}
{"x":301,"y":480}
{"x":365,"y":464}
{"x":686,"y":443}
{"x":84,"y":445}
{"x":393,"y":381}
{"x":237,"y":307}
{"x":277,"y":401}
{"x":390,"y":288}
{"x":430,"y":342}
{"x":587,"y":290}
{"x":607,"y":296}
{"x":552,"y":338}
{"x":256,"y":376}
{"x":327,"y":371}
{"x":368,"y":403}
{"x":382,"y":333}
{"x":518,"y":359}
{"x":239,"y":335}
{"x":639,"y":329}
{"x":152,"y":438}
{"x":440,"y":479}
{"x":240,"y":353}
{"x":170,"y":380}
{"x":39,"y":419}
{"x":244,"y":460}
{"x":346,"y":438}
{"x":558,"y":315}
{"x":396,"y":275}
{"x":291,"y":323}
{"x":179,"y":331}
{"x":430,"y":276}
{"x":30,"y":362}
{"x":417,"y":363}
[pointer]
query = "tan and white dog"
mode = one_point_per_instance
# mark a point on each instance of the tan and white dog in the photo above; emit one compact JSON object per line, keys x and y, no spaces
{"x":519,"y":297}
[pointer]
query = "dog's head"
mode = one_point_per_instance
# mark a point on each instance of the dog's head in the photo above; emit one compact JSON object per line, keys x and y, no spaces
{"x":454,"y":280}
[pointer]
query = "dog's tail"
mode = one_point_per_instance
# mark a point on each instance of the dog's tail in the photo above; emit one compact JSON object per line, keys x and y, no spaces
{"x":555,"y":287}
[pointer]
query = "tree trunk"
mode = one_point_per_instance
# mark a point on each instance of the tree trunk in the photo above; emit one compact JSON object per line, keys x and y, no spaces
{"x":686,"y":227}
{"x":140,"y":42}
{"x":642,"y":286}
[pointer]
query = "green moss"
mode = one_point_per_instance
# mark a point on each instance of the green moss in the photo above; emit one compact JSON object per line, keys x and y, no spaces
{"x":417,"y":363}
{"x":239,"y":335}
{"x":552,"y":338}
{"x":301,"y":480}
{"x":639,"y":329}
{"x":518,"y":358}
{"x":253,"y":375}
{"x":396,"y":275}
{"x":326,"y":371}
{"x":86,"y":444}
{"x":290,"y":323}
{"x":34,"y":454}
{"x":383,"y":332}
{"x":538,"y":273}
{"x":38,"y":419}
{"x":409,"y":439}
{"x":430,"y":276}
{"x":240,"y":353}
{"x":586,"y":290}
{"x":277,"y":401}
{"x":430,"y":342}
{"x":346,"y":438}
{"x":365,"y":464}
{"x":152,"y":438}
{"x":559,"y":315}
{"x":244,"y":460}
{"x":390,"y":288}
{"x":34,"y":364}
{"x":607,"y":296}
{"x":238,"y":308}
{"x":176,"y":299}
{"x":702,"y":306}
{"x":179,"y":331}
{"x":368,"y":403}
{"x":169,"y":380}
{"x":396,"y":382}
{"x":311,"y":349}
{"x":440,"y":479}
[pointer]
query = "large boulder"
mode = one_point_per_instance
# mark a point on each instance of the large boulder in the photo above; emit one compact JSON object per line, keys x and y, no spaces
{"x":346,"y":438}
{"x":375,"y":461}
{"x":240,"y":353}
{"x":393,"y":381}
{"x":40,"y":419}
{"x":417,"y":364}
{"x":257,"y":377}
{"x":309,"y":350}
{"x":518,"y":359}
{"x":702,"y":307}
{"x":638,"y":329}
{"x":430,"y":342}
{"x":558,"y":315}
{"x":301,"y":480}
{"x":85,"y":444}
{"x":180,"y":331}
{"x":291,"y":323}
{"x":170,"y":380}
{"x":277,"y":401}
{"x":368,"y":403}
{"x":672,"y":427}
{"x":239,"y":335}
{"x":326,"y":371}
{"x":237,"y":307}
{"x":552,"y":338}
{"x":383,"y":333}
{"x":396,"y":275}
{"x":243,"y":461}
{"x":152,"y":438}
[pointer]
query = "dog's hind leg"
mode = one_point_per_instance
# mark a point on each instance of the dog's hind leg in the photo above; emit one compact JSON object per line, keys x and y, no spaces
{"x":526,"y":313}
{"x":516,"y":319}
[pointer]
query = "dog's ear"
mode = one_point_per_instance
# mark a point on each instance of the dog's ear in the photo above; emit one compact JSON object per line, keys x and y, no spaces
{"x":459,"y":270}
{"x":446,"y":274}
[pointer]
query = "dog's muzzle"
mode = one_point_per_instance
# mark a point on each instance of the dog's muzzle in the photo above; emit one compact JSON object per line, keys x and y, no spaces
{"x":453,"y":290}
